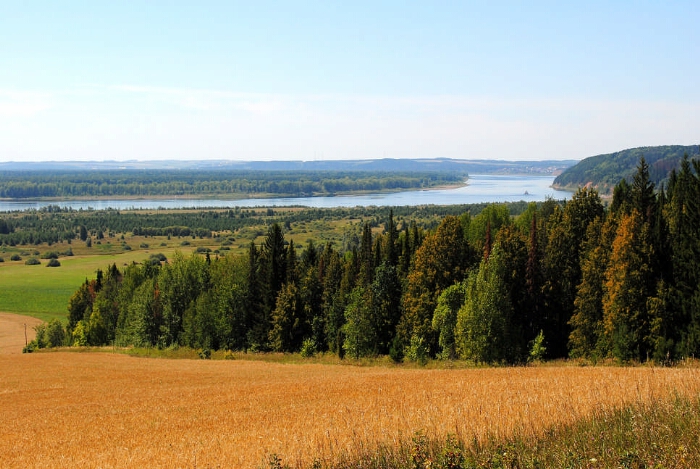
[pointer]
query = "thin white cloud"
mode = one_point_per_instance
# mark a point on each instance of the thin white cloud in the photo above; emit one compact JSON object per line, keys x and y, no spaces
{"x":135,"y":122}
{"x":23,"y":104}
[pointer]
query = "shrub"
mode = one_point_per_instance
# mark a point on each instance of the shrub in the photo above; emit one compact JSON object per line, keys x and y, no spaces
{"x":417,"y":351}
{"x":53,"y":263}
{"x":143,"y":245}
{"x":16,"y":257}
{"x":50,"y":255}
{"x":2,"y":260}
{"x":55,"y":334}
{"x":308,"y":348}
{"x":185,"y":243}
{"x":537,"y":350}
{"x":32,"y":261}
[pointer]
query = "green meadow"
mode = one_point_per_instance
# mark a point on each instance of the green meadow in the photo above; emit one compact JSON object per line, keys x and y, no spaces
{"x":43,"y":292}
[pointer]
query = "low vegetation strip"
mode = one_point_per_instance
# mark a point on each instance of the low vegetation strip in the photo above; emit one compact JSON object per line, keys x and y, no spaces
{"x":109,"y":410}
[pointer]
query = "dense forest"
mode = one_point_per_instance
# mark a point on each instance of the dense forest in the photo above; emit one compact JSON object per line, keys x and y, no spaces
{"x":603,"y":172}
{"x":136,"y":183}
{"x":577,"y":279}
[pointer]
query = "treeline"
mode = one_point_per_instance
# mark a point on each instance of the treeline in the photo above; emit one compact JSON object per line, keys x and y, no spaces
{"x":54,"y":224}
{"x":580,"y":280}
{"x":132,"y":183}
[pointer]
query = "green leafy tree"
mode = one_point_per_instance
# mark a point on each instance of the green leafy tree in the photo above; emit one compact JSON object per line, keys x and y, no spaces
{"x":449,"y":303}
{"x":483,"y":321}
{"x":441,"y":261}
{"x":359,"y":328}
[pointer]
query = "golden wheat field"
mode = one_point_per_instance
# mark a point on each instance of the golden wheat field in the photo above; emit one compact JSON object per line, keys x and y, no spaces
{"x":106,"y":410}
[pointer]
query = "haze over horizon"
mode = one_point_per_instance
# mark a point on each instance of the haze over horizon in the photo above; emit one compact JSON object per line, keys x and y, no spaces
{"x":339,"y":80}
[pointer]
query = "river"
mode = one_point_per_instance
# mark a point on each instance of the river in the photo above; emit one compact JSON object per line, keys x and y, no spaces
{"x":480,"y":189}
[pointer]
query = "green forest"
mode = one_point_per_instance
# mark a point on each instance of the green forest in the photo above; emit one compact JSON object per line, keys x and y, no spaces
{"x":200,"y":183}
{"x":579,"y":279}
{"x":603,"y":172}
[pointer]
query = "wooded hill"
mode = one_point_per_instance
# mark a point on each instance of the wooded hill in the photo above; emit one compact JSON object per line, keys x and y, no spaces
{"x":603,"y":172}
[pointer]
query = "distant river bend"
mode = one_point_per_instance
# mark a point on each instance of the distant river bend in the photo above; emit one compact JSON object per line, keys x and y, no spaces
{"x":479,"y":189}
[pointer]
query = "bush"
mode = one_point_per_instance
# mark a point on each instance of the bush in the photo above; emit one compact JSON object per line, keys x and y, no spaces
{"x":143,"y":245}
{"x":185,"y":243}
{"x":2,"y":260}
{"x":32,"y":261}
{"x":52,"y":334}
{"x":16,"y":257}
{"x":537,"y":349}
{"x":50,"y":255}
{"x":418,"y":351}
{"x":53,"y":263}
{"x":308,"y":348}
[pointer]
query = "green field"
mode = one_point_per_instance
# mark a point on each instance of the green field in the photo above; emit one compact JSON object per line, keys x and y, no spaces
{"x":43,"y":293}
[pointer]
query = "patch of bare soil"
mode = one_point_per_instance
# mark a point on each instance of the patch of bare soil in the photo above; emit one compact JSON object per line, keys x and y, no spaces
{"x":12,"y":328}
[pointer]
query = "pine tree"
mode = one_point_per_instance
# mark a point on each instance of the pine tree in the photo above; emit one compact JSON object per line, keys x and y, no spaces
{"x":628,"y":285}
{"x":683,"y":215}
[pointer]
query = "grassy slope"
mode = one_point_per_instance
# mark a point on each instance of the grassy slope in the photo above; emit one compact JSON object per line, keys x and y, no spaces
{"x":43,"y":293}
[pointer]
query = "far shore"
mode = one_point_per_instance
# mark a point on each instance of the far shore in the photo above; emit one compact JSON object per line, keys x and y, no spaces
{"x":229,"y":196}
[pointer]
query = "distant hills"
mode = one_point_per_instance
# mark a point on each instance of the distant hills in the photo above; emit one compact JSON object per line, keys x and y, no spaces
{"x":604,"y":172}
{"x":551,"y":167}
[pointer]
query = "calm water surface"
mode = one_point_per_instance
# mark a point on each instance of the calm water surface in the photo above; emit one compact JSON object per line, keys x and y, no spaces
{"x":480,"y":188}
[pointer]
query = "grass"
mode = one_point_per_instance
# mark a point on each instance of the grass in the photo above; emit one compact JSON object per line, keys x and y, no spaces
{"x":658,"y":434}
{"x":43,"y":293}
{"x":109,"y":410}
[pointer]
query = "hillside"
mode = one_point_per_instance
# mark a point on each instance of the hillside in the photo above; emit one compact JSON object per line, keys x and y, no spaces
{"x":605,"y":171}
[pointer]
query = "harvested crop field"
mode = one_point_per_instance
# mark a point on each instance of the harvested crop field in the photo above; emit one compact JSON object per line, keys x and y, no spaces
{"x":84,"y":410}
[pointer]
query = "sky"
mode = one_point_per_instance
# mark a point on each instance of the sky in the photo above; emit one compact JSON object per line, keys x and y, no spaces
{"x":304,"y":80}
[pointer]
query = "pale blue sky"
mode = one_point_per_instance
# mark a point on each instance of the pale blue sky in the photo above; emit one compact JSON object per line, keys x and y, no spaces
{"x":343,"y":80}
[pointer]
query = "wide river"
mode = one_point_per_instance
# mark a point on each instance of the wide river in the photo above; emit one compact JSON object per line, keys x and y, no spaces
{"x":480,"y":188}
